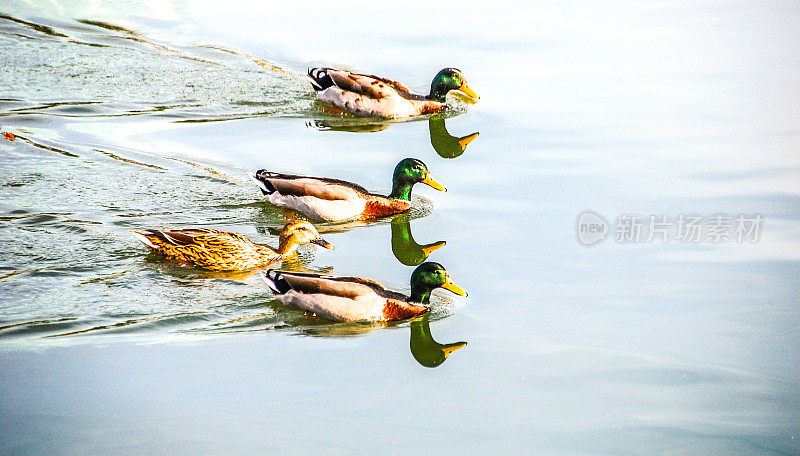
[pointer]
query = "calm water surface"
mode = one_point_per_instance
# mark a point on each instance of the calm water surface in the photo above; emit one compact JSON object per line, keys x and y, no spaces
{"x":131,"y":114}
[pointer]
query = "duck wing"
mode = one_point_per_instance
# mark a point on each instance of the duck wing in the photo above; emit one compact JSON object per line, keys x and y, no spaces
{"x":178,"y":238}
{"x":343,"y":287}
{"x":202,"y":237}
{"x":369,"y":85}
{"x":319,"y":187}
{"x":361,"y":84}
{"x":398,"y":87}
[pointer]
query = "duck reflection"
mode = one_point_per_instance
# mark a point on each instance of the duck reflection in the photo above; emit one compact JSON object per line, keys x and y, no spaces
{"x":195,"y":277}
{"x":348,"y":124}
{"x":446,"y":145}
{"x":425,"y":350}
{"x":404,"y":247}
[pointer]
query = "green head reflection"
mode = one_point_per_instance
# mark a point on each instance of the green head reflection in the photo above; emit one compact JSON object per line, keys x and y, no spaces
{"x":446,"y":145}
{"x":405,"y":249}
{"x":425,"y":350}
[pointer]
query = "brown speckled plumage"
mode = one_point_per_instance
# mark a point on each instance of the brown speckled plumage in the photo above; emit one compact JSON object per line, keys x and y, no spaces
{"x":217,"y":250}
{"x":209,"y":249}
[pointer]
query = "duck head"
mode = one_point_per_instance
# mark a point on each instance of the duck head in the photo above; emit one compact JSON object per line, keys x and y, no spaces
{"x":429,"y":276}
{"x":409,"y":172}
{"x":450,"y":79}
{"x":297,"y":233}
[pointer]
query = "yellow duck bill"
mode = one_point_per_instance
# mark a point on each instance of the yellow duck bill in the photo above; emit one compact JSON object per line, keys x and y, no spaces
{"x":432,"y":182}
{"x":469,"y":92}
{"x":451,"y":286}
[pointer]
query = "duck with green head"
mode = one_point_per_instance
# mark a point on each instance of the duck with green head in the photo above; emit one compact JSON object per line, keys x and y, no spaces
{"x":357,"y":298}
{"x":374,"y":96}
{"x":334,"y":200}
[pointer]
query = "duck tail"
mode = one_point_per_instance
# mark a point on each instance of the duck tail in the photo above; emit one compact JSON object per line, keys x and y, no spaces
{"x":319,"y":78}
{"x":142,"y":235}
{"x":263,"y":184}
{"x":275,"y":282}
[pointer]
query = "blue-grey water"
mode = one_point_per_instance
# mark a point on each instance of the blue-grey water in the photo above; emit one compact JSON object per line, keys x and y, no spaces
{"x":149,"y":114}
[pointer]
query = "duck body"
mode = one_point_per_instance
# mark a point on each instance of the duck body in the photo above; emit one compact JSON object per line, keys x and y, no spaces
{"x":217,"y":250}
{"x":356,"y":298}
{"x":334,"y":200}
{"x":369,"y":95}
{"x":325,"y":199}
{"x":341,"y":298}
{"x":208,"y":248}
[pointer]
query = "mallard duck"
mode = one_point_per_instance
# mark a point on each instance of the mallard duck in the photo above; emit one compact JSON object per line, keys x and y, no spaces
{"x":356,"y":298}
{"x":334,"y":200}
{"x":224,"y":251}
{"x":374,"y":96}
